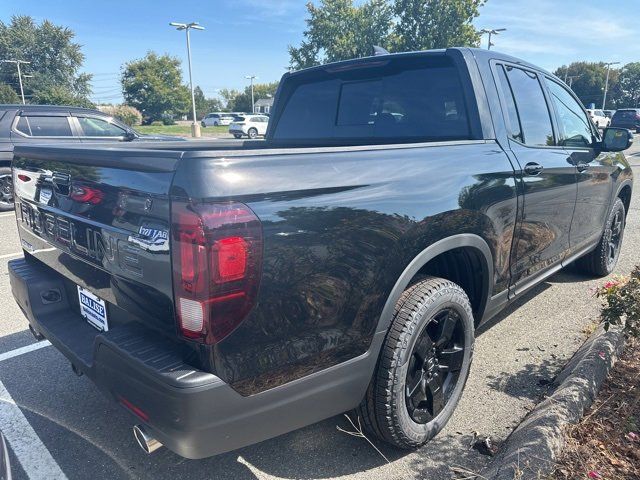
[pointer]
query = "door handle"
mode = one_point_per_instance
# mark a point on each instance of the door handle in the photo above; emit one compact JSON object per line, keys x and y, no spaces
{"x":582,"y":167}
{"x":533,"y":168}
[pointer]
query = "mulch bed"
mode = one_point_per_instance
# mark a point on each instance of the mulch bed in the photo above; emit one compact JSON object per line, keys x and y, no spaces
{"x":606,"y":443}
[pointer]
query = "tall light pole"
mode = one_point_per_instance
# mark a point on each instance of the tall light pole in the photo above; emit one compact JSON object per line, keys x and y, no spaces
{"x":491,"y":31}
{"x":195,"y":126}
{"x":606,"y":83}
{"x":18,"y":62}
{"x":252,"y":78}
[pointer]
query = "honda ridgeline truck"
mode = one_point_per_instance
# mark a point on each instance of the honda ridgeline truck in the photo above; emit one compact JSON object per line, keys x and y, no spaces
{"x":227,"y":292}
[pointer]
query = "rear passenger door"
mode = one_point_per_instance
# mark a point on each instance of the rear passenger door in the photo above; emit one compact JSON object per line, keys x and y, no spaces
{"x":548,"y":179}
{"x":42,"y":127}
{"x":594,"y":169}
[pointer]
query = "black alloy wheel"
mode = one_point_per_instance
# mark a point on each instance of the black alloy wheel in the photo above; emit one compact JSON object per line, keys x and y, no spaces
{"x":434,"y":366}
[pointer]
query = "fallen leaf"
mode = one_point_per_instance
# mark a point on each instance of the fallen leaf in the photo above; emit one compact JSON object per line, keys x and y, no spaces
{"x":594,"y":474}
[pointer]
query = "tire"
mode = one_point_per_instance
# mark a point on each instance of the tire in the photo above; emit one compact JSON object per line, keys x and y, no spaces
{"x":216,"y":124}
{"x":601,"y":261}
{"x":253,"y":133}
{"x":597,"y":124}
{"x":6,"y":189}
{"x":237,"y":135}
{"x":396,"y":408}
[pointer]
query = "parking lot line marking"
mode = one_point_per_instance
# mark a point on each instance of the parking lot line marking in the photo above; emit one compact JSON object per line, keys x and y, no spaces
{"x":9,"y":255}
{"x":23,"y":350}
{"x":33,"y":455}
{"x":10,"y":214}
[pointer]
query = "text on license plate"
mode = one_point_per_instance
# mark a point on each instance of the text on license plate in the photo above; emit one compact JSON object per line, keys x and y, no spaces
{"x":93,"y":309}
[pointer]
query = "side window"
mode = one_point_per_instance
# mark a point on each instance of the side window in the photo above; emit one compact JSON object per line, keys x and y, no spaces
{"x":576,"y":129}
{"x":97,"y":127}
{"x":531,"y":104}
{"x":44,"y":126}
{"x":511,"y":113}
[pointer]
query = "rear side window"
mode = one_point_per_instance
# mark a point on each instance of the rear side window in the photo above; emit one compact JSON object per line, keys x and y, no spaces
{"x":400,"y":101}
{"x":533,"y":112}
{"x":97,"y":127}
{"x":511,"y":112}
{"x":44,"y":126}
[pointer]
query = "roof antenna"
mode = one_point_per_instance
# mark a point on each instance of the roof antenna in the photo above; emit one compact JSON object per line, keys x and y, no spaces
{"x":379,"y":51}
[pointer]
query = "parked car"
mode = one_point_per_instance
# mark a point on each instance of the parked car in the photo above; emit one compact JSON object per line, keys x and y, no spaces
{"x":250,"y":125}
{"x":599,"y":118}
{"x":38,"y":124}
{"x":627,"y":118}
{"x":216,"y":119}
{"x":229,"y":292}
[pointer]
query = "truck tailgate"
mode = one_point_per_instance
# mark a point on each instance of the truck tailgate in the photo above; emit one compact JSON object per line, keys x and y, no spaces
{"x":100,"y":218}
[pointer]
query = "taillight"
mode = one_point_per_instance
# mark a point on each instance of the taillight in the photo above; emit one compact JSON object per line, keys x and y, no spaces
{"x":84,"y":194}
{"x":217,"y":263}
{"x":24,"y":178}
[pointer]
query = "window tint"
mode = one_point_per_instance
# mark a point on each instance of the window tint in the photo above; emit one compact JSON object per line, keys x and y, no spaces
{"x":576,"y":131}
{"x":532,"y":107}
{"x":511,"y":113}
{"x":44,"y":126}
{"x":403,"y":100}
{"x":97,"y":127}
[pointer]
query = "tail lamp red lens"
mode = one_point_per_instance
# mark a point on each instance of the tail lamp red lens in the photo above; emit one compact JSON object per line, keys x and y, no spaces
{"x":24,"y":178}
{"x":217,"y":262}
{"x":85,"y":194}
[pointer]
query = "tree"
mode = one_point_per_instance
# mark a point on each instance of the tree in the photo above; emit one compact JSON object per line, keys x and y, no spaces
{"x":8,"y":94}
{"x":205,"y":105}
{"x":339,"y":30}
{"x":587,"y":80}
{"x":428,"y":24}
{"x":154,"y":86}
{"x":630,"y":86}
{"x":55,"y":61}
{"x":228,"y":96}
{"x":241,"y":102}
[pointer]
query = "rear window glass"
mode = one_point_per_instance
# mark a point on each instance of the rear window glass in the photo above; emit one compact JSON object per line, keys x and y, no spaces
{"x":44,"y":126}
{"x":626,"y":113}
{"x":414,"y":99}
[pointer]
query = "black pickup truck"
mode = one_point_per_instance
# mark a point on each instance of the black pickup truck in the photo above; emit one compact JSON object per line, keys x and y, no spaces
{"x":226,"y":292}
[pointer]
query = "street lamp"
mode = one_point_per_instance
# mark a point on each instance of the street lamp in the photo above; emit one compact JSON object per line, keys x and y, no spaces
{"x":491,"y":31}
{"x":195,"y":126}
{"x":252,"y":78}
{"x":606,"y":83}
{"x":18,"y":62}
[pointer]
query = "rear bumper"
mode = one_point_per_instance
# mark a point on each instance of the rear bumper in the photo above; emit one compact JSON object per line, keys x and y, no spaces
{"x":193,"y":413}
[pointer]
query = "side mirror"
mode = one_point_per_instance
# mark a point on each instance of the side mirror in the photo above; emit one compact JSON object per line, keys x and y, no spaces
{"x":616,"y":139}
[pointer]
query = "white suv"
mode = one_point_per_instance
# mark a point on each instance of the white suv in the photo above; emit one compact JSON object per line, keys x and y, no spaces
{"x":599,"y":118}
{"x":217,"y":118}
{"x":249,"y":125}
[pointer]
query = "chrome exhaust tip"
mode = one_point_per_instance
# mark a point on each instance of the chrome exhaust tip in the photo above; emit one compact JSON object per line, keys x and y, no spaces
{"x":145,"y":440}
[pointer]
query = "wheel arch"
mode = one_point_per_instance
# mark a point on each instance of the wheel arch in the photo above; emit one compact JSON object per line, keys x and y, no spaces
{"x":624,"y":193}
{"x":468,"y":242}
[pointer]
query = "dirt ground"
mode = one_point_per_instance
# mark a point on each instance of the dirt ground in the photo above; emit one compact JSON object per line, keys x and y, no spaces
{"x":606,"y":444}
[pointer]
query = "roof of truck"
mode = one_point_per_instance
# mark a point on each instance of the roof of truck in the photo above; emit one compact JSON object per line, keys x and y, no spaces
{"x":478,"y":53}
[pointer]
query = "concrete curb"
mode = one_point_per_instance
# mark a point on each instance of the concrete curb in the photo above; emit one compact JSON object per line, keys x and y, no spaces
{"x":532,"y":448}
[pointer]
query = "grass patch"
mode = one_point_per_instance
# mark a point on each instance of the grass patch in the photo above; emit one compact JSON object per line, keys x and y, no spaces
{"x":181,"y":130}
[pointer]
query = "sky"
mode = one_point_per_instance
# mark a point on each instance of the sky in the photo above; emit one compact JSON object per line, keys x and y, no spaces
{"x":250,"y":37}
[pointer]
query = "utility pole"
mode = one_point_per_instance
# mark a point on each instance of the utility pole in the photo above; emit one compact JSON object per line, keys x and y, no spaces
{"x":252,"y":78}
{"x":606,"y":83}
{"x":18,"y":62}
{"x":491,"y":31}
{"x":195,"y":126}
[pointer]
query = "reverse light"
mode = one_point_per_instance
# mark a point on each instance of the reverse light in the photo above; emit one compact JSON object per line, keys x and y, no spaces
{"x":217,"y":262}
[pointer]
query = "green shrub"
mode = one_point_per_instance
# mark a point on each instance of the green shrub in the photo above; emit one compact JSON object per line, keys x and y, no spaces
{"x":126,"y":114}
{"x":621,"y":302}
{"x":167,"y":119}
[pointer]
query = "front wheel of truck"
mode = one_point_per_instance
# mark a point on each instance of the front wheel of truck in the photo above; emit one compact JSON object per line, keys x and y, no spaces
{"x":423,"y":365}
{"x":601,"y":261}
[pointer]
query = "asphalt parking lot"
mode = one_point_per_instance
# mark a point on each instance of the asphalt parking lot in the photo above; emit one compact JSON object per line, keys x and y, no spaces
{"x":60,"y":426}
